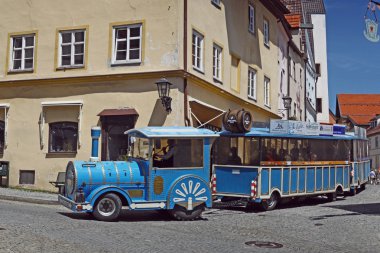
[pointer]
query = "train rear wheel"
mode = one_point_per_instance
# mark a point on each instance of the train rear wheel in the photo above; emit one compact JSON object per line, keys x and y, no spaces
{"x":270,"y":203}
{"x":331,"y":196}
{"x":182,"y":214}
{"x":108,"y":207}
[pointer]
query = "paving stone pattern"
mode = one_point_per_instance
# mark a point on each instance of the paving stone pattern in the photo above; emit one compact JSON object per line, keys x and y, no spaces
{"x":351,"y":224}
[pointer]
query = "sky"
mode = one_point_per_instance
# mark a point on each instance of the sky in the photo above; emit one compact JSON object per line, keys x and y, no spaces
{"x":353,"y":61}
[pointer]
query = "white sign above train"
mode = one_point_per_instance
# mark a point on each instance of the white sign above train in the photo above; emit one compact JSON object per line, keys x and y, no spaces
{"x":304,"y":128}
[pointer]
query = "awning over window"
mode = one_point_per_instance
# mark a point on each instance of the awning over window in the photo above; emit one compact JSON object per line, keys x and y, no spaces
{"x":60,"y":103}
{"x":118,"y":112}
{"x":5,"y":107}
{"x":206,"y":115}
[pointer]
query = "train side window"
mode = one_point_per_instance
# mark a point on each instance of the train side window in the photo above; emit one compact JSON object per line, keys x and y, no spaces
{"x":252,"y":152}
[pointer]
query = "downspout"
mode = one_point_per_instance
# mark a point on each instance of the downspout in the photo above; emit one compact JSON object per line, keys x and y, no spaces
{"x":289,"y":66}
{"x":185,"y":91}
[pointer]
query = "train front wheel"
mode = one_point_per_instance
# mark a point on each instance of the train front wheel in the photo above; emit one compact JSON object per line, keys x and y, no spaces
{"x":108,"y":207}
{"x":182,"y":214}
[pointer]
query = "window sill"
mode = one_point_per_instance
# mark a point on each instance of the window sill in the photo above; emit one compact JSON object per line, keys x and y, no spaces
{"x":252,"y":32}
{"x":61,"y":154}
{"x":64,"y":68}
{"x":122,"y":64}
{"x":218,"y":81}
{"x":252,"y":99}
{"x":216,"y":5}
{"x":198,"y":70}
{"x":266,"y":45}
{"x":268,"y":106}
{"x":21,"y":71}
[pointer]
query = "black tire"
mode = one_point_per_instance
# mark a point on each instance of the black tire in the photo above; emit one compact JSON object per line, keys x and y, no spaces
{"x":331,"y":196}
{"x":180,"y":213}
{"x":271,"y":203}
{"x":108,"y":207}
{"x":362,"y":187}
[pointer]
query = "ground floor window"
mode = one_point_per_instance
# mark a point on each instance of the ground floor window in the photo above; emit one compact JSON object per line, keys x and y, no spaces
{"x":2,"y":134}
{"x":27,"y":177}
{"x":63,"y":137}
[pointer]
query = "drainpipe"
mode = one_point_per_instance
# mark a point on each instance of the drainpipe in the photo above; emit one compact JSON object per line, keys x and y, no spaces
{"x":185,"y":91}
{"x":288,"y":111}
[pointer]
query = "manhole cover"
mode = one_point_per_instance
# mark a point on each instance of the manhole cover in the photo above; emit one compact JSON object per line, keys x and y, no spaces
{"x":2,"y":228}
{"x":268,"y":245}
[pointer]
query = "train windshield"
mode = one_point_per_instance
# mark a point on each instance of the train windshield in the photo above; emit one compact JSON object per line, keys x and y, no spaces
{"x":140,"y":148}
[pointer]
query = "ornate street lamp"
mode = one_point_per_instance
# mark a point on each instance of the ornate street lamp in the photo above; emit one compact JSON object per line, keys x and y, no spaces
{"x":287,"y":102}
{"x":163,"y":88}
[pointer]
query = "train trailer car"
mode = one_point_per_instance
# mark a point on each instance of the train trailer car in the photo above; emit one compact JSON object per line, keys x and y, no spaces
{"x":263,"y":167}
{"x":168,"y":169}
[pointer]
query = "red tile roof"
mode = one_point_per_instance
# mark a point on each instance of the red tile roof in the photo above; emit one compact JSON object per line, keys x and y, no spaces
{"x":294,"y":20}
{"x":361,"y":108}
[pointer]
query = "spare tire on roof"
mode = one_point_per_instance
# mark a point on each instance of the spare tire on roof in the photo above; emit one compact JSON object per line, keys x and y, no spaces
{"x":237,"y":121}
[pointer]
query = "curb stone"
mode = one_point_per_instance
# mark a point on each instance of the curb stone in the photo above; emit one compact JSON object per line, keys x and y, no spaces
{"x":30,"y":200}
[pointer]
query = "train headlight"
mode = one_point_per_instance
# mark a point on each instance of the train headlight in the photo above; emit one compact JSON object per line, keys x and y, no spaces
{"x":70,"y":179}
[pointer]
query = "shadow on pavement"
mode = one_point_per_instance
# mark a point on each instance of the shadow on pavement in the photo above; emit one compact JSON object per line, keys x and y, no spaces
{"x":368,"y":209}
{"x":128,"y":216}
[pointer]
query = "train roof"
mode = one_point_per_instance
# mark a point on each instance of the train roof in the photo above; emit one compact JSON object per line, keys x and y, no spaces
{"x":264,"y":132}
{"x":173,"y":132}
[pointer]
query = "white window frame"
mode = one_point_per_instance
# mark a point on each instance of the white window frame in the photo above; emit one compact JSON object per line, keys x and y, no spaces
{"x":72,"y":45}
{"x":266,"y":91}
{"x":128,"y":39}
{"x":217,"y":55}
{"x":266,"y":32}
{"x":252,"y":74}
{"x":198,"y":45}
{"x":251,"y":18}
{"x":22,"y":49}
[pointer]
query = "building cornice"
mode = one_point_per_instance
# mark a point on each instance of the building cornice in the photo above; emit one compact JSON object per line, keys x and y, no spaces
{"x":133,"y":76}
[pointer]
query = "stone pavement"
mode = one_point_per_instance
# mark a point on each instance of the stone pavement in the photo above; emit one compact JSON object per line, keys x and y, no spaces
{"x":28,"y":196}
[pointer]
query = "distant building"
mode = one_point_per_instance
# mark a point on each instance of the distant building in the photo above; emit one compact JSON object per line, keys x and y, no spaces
{"x":357,"y":109}
{"x":373,"y":135}
{"x":332,"y":118}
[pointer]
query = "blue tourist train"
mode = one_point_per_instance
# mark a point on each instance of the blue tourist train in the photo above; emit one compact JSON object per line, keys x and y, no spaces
{"x":290,"y":159}
{"x":168,"y":168}
{"x":183,"y":169}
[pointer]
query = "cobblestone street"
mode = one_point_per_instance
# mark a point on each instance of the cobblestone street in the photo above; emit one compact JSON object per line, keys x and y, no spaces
{"x":350,"y":224}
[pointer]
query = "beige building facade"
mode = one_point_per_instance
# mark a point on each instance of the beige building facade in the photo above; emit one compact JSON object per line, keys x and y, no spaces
{"x":69,"y":65}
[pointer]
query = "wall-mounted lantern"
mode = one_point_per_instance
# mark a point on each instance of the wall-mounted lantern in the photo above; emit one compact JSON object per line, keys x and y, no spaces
{"x":163,"y":88}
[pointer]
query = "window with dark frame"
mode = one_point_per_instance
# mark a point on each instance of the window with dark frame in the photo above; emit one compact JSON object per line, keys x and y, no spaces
{"x":319,"y":105}
{"x":266,"y":32}
{"x":251,"y":18}
{"x":318,"y":69}
{"x":22,"y":52}
{"x":127,"y":44}
{"x":63,"y":137}
{"x":71,"y":48}
{"x":216,"y":2}
{"x":27,"y":177}
{"x":2,"y":136}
